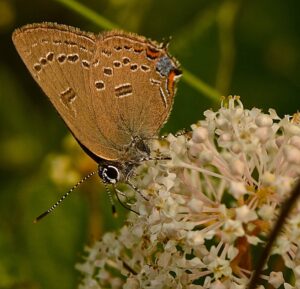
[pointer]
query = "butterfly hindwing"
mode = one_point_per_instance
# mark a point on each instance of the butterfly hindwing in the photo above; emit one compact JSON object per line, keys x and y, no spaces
{"x":133,"y":83}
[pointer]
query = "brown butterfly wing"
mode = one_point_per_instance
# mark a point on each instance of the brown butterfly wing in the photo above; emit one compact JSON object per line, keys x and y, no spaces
{"x":59,"y":58}
{"x":130,"y":96}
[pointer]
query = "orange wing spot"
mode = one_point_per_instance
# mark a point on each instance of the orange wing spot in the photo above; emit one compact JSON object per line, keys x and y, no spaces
{"x":171,"y":82}
{"x":152,"y":53}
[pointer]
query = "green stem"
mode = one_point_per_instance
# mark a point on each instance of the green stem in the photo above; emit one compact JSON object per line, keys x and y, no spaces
{"x":89,"y":14}
{"x":104,"y":23}
{"x":201,"y":86}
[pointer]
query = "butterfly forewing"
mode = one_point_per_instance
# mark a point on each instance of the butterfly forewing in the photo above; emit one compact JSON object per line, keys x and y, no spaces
{"x":59,"y":57}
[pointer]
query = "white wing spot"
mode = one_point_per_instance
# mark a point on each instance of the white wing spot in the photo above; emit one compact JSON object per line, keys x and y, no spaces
{"x":123,"y":90}
{"x":37,"y":67}
{"x":163,"y":96}
{"x":117,"y":64}
{"x":61,"y":58}
{"x":99,"y":84}
{"x":108,"y":71}
{"x":126,"y":60}
{"x":85,"y":64}
{"x":50,"y":56}
{"x":155,"y":81}
{"x":73,"y":58}
{"x":67,"y":97}
{"x":145,"y":68}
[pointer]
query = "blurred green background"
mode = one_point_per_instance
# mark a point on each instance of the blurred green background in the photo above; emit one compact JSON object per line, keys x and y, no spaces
{"x":249,"y":48}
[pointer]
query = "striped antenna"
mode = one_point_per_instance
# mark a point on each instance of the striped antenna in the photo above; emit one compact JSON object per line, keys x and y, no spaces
{"x":63,"y":197}
{"x":113,"y":207}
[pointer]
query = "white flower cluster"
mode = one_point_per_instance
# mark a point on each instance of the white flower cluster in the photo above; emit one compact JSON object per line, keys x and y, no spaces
{"x":210,"y":209}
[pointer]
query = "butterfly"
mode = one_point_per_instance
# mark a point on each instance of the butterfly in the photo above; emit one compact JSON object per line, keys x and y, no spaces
{"x":114,"y":90}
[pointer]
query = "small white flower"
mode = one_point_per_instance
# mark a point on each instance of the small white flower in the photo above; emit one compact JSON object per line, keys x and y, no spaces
{"x":232,"y":230}
{"x":266,"y":212}
{"x":245,"y":215}
{"x":276,"y":279}
{"x":219,"y":267}
{"x":267,"y":179}
{"x":263,"y":120}
{"x":206,"y":157}
{"x":292,"y":154}
{"x":237,"y":167}
{"x":237,"y":189}
{"x":200,"y":135}
{"x":196,"y":206}
{"x":194,"y":238}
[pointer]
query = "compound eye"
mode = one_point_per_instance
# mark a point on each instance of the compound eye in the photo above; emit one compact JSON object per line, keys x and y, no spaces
{"x":110,"y":174}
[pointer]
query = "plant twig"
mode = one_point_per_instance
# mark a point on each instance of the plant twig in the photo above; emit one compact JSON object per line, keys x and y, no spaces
{"x":89,"y":14}
{"x":285,"y":210}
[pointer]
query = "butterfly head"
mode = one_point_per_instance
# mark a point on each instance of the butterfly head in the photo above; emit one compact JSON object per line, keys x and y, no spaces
{"x":109,"y":173}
